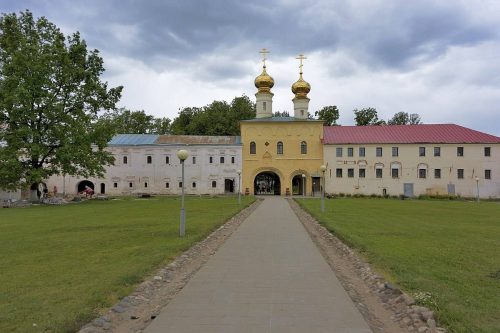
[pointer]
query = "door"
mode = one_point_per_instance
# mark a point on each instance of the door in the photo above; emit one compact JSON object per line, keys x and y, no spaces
{"x":451,"y":189}
{"x":316,"y":186}
{"x":408,"y":190}
{"x":228,"y":185}
{"x":103,"y":188}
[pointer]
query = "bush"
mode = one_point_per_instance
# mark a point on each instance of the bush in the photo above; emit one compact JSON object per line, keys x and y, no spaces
{"x":341,"y":195}
{"x":348,"y":195}
{"x":373,"y":195}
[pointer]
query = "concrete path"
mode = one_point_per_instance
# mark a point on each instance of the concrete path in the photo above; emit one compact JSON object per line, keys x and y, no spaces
{"x":268,"y":277}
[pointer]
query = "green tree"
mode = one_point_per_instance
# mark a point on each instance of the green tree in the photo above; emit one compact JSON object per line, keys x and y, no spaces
{"x":135,"y":122}
{"x":50,"y":96}
{"x":403,"y":118}
{"x":329,"y":114}
{"x":367,"y":117}
{"x":281,"y":114}
{"x":217,"y":118}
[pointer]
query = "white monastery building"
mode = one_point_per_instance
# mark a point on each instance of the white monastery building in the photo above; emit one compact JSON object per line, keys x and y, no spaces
{"x":148,"y":164}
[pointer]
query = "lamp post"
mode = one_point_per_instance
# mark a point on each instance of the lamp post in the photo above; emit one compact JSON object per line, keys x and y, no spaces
{"x":182,"y":155}
{"x":323,"y":169}
{"x":239,"y":186}
{"x":477,"y":188}
{"x":303,"y":186}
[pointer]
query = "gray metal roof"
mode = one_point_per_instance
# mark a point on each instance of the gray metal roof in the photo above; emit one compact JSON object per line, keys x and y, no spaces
{"x":198,"y":140}
{"x":133,"y":139}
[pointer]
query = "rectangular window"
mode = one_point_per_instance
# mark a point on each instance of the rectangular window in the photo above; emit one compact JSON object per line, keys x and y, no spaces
{"x":167,"y":185}
{"x":149,"y":159}
{"x":194,"y":184}
{"x":487,"y":151}
{"x":167,"y":160}
{"x":214,"y":184}
{"x":264,"y":105}
{"x":350,"y":173}
{"x":338,"y":173}
{"x":421,"y":151}
{"x":437,"y":173}
{"x":395,"y":152}
{"x":339,"y":152}
{"x":378,"y":173}
{"x":422,"y":173}
{"x":194,"y":159}
{"x":395,"y":173}
{"x":361,"y":151}
{"x":460,"y":151}
{"x":115,"y":185}
{"x":130,"y":185}
{"x":180,"y":184}
{"x":211,"y":159}
{"x":362,"y":173}
{"x":487,"y":174}
{"x":460,"y":173}
{"x":125,"y":159}
{"x":350,"y":152}
{"x":222,"y":159}
{"x":232,"y":159}
{"x":437,"y":151}
{"x":379,"y":151}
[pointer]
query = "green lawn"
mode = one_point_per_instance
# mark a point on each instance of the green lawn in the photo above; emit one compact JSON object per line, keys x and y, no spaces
{"x":60,"y":266}
{"x":449,"y":249}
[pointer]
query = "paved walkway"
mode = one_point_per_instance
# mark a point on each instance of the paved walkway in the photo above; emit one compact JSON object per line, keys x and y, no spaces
{"x":268,"y":277}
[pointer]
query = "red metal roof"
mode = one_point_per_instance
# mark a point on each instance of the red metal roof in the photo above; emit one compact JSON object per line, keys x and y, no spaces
{"x":425,"y":133}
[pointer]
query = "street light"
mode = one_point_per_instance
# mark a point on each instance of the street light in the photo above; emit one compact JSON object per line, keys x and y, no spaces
{"x":182,"y":155}
{"x":303,"y":186}
{"x":239,"y":186}
{"x":477,"y":188}
{"x":323,"y":169}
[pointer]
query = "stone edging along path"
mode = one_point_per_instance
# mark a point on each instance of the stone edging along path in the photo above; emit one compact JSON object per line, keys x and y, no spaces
{"x":385,"y":308}
{"x":135,"y":312}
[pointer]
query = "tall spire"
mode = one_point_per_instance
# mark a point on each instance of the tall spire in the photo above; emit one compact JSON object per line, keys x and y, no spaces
{"x":264,"y":96}
{"x":301,"y":88}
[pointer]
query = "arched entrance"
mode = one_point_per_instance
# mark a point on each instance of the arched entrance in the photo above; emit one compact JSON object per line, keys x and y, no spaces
{"x":267,"y":183}
{"x":83,"y":185}
{"x":298,"y":185}
{"x":37,"y":190}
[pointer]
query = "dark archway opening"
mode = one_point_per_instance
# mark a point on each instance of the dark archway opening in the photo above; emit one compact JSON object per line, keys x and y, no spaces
{"x":267,"y":183}
{"x":298,"y":185}
{"x":228,"y":185}
{"x":84,"y":184}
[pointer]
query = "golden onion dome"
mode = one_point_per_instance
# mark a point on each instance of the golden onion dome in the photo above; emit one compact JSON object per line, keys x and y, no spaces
{"x":264,"y":82}
{"x":301,"y":88}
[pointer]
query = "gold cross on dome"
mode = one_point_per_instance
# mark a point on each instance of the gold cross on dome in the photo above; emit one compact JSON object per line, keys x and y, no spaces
{"x":264,"y":52}
{"x":301,"y":57}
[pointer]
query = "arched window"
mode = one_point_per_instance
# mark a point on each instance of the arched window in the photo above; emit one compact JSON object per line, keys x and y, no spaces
{"x":253,"y":148}
{"x":149,"y":159}
{"x":303,"y":147}
{"x":279,"y":148}
{"x":125,"y":159}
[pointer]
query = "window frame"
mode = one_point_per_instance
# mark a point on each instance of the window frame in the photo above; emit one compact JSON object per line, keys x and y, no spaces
{"x":460,"y":151}
{"x":338,"y":173}
{"x":362,"y":149}
{"x":397,"y":173}
{"x":350,"y":173}
{"x":460,"y":173}
{"x":437,"y":151}
{"x":149,"y":159}
{"x":379,"y":173}
{"x":362,"y":175}
{"x":487,"y":151}
{"x":395,"y":151}
{"x":421,"y":151}
{"x":279,"y":148}
{"x":303,"y":147}
{"x":437,"y":173}
{"x":487,"y":174}
{"x":350,"y":152}
{"x":253,"y":148}
{"x":339,"y":151}
{"x":379,"y":152}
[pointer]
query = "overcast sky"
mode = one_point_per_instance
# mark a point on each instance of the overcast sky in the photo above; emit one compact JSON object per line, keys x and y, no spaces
{"x":440,"y":58}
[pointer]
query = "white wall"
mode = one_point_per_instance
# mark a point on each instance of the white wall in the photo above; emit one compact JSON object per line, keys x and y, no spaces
{"x":139,"y":176}
{"x":473,"y":162}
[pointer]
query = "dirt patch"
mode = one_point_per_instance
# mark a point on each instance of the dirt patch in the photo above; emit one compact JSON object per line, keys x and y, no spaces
{"x":385,"y":307}
{"x":136,"y":311}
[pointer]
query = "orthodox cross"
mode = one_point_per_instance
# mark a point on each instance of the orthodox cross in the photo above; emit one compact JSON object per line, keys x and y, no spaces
{"x":264,"y":52}
{"x":301,"y":57}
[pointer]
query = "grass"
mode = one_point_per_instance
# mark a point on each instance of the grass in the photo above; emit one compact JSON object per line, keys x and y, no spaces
{"x":61,"y":266}
{"x":445,"y":252}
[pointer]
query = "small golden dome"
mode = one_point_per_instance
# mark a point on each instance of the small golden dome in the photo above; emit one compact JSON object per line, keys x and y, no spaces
{"x":301,"y":88}
{"x":264,"y":82}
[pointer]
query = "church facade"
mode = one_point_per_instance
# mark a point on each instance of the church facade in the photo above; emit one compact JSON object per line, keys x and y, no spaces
{"x":298,"y":155}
